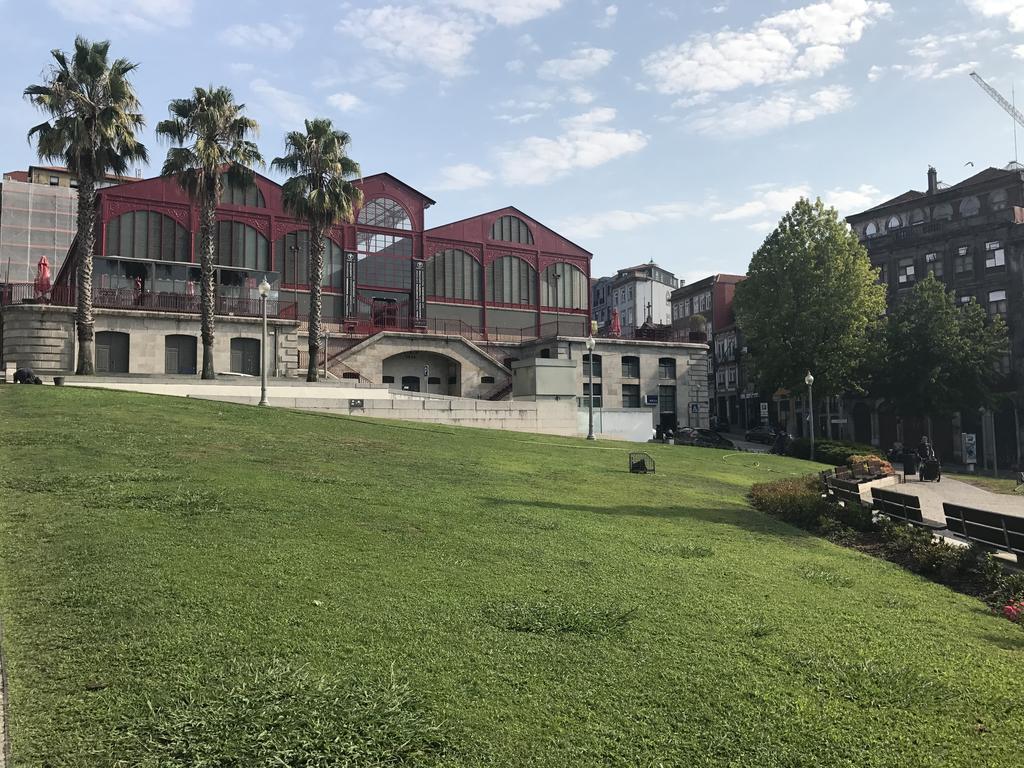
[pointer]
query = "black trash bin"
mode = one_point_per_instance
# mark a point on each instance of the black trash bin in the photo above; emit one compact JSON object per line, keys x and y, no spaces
{"x":910,"y":461}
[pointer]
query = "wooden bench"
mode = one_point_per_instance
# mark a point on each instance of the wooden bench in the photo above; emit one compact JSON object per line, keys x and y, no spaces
{"x":904,"y":507}
{"x":846,"y":492}
{"x":990,"y":529}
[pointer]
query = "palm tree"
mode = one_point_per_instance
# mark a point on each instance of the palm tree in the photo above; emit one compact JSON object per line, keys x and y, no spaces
{"x":322,"y":193}
{"x":211,"y":142}
{"x":94,"y":116}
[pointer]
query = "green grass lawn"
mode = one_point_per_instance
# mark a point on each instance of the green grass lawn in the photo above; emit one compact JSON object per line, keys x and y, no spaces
{"x":993,"y":484}
{"x":198,"y":584}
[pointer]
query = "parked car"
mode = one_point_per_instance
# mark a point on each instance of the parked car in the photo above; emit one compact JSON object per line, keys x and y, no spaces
{"x":702,"y":438}
{"x":761,"y":434}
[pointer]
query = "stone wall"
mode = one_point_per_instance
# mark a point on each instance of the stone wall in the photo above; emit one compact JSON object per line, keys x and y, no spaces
{"x":42,"y":337}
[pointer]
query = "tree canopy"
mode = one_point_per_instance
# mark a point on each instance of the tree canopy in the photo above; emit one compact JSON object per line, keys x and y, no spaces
{"x":811,"y":302}
{"x":940,"y":356}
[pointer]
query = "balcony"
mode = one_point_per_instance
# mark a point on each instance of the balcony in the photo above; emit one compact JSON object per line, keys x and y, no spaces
{"x":904,"y":235}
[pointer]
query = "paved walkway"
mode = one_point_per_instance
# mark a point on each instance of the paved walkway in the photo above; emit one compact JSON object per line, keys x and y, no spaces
{"x":933,"y":494}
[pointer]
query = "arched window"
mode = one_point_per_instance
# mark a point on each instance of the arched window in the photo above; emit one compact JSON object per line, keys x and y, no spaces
{"x":592,"y":361}
{"x":291,"y":254}
{"x":564,"y":286}
{"x":666,"y":368}
{"x":453,"y":274}
{"x":893,"y":223}
{"x":249,"y":196}
{"x":970,"y":206}
{"x":943,"y":212}
{"x":239,"y":245}
{"x":511,"y":229}
{"x":384,"y":212}
{"x":147,"y":235}
{"x":630,"y":367}
{"x":510,"y":280}
{"x":871,"y":229}
{"x":917,"y":216}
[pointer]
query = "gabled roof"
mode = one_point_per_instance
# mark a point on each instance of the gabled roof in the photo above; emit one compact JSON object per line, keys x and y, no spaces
{"x":429,"y":201}
{"x":508,"y":210}
{"x":981,"y":177}
{"x":906,"y":197}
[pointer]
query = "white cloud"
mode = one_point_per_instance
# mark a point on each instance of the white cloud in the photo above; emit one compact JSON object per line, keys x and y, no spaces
{"x":578,"y":95}
{"x":586,"y":141}
{"x":938,"y":46}
{"x":280,"y":37}
{"x":583,"y":63}
{"x":611,"y":14}
{"x":369,"y":73}
{"x":1011,"y":10}
{"x":1017,"y":52}
{"x":515,"y":66}
{"x":773,"y":200}
{"x":792,"y":45}
{"x":597,"y":225}
{"x":441,"y":41}
{"x":928,"y":70}
{"x":464,"y":176}
{"x":509,"y":12}
{"x":146,"y":15}
{"x":345,"y":101}
{"x":290,"y":108}
{"x":754,"y":117}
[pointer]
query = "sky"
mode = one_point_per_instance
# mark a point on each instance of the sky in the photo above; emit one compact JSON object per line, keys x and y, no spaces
{"x":677,"y":132}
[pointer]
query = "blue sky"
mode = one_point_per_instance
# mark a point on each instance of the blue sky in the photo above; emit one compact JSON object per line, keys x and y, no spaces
{"x":674,"y":131}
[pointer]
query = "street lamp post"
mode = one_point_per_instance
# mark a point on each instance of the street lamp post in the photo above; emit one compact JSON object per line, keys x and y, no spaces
{"x":264,"y":289}
{"x":590,"y":400}
{"x":809,"y":381}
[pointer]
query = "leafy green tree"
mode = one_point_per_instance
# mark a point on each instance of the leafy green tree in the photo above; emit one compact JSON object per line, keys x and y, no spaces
{"x":941,"y":357}
{"x":211,"y":138}
{"x":322,"y":193}
{"x":811,"y":302}
{"x":94,"y":116}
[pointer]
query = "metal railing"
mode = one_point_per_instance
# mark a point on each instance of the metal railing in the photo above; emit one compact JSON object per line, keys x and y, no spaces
{"x":128,"y":298}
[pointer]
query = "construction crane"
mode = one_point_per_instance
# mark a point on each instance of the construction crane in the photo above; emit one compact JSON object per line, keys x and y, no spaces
{"x":998,"y":98}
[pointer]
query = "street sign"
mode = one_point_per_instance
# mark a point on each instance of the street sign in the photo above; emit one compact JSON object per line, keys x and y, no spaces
{"x":355,"y":405}
{"x":695,"y":408}
{"x":764,"y":410}
{"x":426,"y":371}
{"x":652,"y":399}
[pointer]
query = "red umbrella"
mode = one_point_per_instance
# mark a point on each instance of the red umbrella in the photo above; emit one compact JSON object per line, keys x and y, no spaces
{"x":42,"y":282}
{"x":616,"y":324}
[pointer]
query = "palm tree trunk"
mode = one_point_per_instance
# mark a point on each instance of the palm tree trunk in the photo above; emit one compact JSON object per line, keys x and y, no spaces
{"x":207,"y":289}
{"x":86,"y":242}
{"x":316,"y":276}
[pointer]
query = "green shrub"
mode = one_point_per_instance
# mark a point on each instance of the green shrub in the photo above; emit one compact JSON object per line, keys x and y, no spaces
{"x":796,"y":501}
{"x":834,"y":452}
{"x":859,"y":518}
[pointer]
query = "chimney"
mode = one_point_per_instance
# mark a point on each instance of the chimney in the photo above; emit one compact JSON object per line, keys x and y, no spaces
{"x":933,"y":180}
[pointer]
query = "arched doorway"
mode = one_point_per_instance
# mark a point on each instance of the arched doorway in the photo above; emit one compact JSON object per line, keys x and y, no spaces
{"x":420,"y":371}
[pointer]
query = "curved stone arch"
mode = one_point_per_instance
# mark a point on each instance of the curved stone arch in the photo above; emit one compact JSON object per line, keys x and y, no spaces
{"x":893,"y":222}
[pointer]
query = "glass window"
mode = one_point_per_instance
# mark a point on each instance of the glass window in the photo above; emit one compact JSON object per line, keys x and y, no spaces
{"x":943,"y":212}
{"x":564,"y":286}
{"x":384,"y":212}
{"x":666,"y":368}
{"x":54,"y":181}
{"x":453,"y":274}
{"x":385,"y":261}
{"x":963,"y":262}
{"x":883,"y":275}
{"x":731,"y":375}
{"x":248,"y":196}
{"x":510,"y":280}
{"x":596,"y":365}
{"x":630,"y":367}
{"x":934,"y":264}
{"x":720,"y":378}
{"x":511,"y":229}
{"x":667,"y":399}
{"x":631,"y":396}
{"x":997,"y":303}
{"x":147,"y":235}
{"x":970,"y":207}
{"x":871,"y":230}
{"x":586,"y":395}
{"x":906,"y":271}
{"x":239,"y":245}
{"x":893,"y":223}
{"x":995,"y":256}
{"x":291,"y":253}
